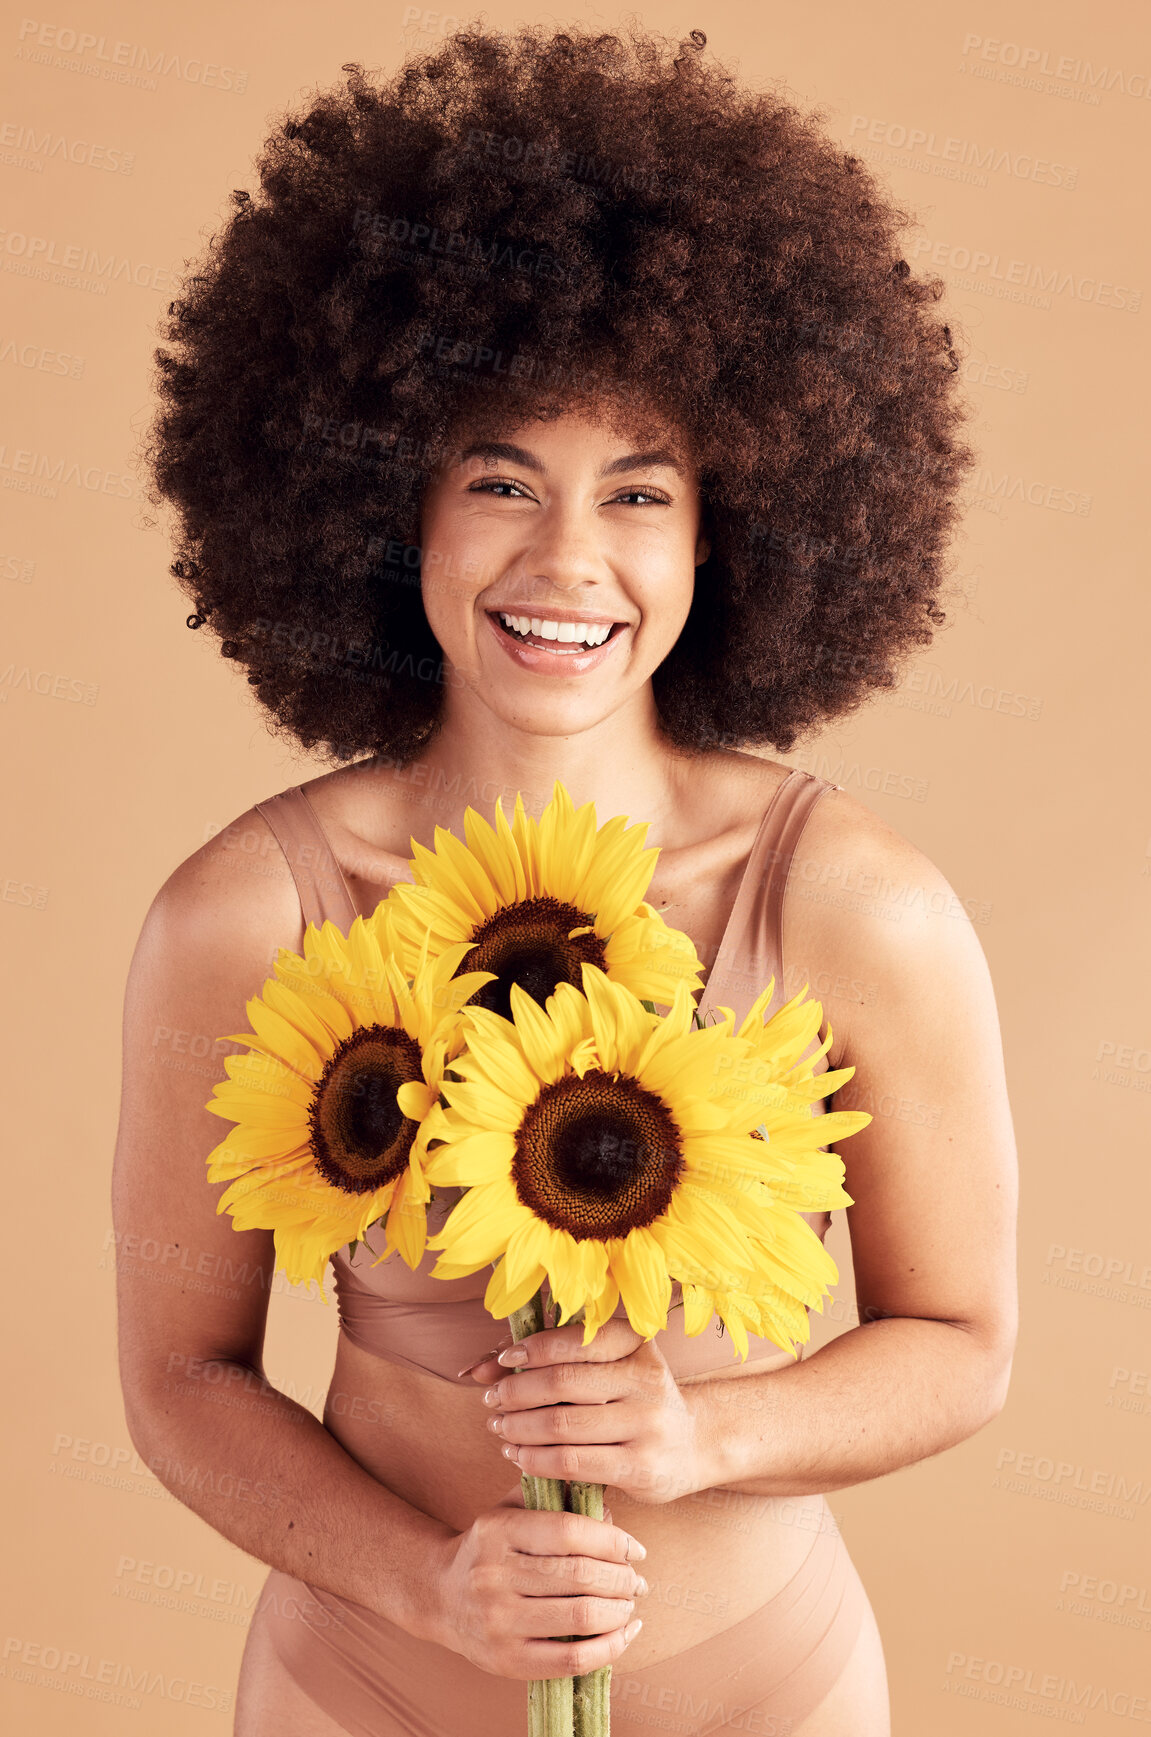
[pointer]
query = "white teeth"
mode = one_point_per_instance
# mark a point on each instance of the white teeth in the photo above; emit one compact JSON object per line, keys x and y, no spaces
{"x":563,"y":632}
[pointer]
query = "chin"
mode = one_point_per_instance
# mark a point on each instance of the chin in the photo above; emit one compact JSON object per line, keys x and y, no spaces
{"x":550,"y":720}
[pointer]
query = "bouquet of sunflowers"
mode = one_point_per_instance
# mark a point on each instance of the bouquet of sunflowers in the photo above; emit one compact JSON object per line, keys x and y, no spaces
{"x":603,"y":1147}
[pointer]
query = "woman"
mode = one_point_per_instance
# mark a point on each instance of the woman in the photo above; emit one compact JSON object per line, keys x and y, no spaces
{"x":550,"y":341}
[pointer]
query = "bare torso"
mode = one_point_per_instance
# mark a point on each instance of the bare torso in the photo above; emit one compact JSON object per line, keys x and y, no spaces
{"x":715,"y":1556}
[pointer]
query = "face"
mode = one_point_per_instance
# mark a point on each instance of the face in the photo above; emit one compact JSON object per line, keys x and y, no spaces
{"x":586,"y":538}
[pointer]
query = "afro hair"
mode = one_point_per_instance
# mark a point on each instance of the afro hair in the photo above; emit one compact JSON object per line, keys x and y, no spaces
{"x":516,"y":223}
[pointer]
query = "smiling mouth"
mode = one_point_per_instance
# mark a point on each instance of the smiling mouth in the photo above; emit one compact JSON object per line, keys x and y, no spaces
{"x":559,"y":647}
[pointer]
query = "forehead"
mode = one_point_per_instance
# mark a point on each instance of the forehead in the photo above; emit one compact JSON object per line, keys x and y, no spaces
{"x":617,"y":437}
{"x":490,"y":453}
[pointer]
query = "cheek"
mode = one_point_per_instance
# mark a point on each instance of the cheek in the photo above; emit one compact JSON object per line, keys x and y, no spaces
{"x":665,"y":604}
{"x":451,"y":578}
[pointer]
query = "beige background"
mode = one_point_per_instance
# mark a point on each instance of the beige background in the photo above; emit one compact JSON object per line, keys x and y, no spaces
{"x":1014,"y":754}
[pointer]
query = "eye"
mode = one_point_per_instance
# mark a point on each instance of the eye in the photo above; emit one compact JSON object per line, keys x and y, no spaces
{"x":489,"y":485}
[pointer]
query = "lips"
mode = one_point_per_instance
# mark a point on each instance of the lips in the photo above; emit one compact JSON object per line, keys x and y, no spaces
{"x":550,"y":656}
{"x":545,"y":641}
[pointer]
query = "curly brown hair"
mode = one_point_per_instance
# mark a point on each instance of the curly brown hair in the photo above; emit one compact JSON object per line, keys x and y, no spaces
{"x":516,"y":222}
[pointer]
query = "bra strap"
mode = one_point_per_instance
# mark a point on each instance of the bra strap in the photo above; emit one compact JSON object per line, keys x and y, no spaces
{"x":324,"y":893}
{"x":805,"y":792}
{"x":755,"y":951}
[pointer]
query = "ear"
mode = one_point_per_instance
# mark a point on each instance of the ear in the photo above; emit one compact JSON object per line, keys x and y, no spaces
{"x":703,"y":539}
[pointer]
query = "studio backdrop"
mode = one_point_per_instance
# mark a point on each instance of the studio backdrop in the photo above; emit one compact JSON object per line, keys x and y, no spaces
{"x":1011,"y":1575}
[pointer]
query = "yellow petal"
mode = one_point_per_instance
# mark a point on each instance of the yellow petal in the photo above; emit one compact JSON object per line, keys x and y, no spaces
{"x":415,"y":1099}
{"x":640,"y":1270}
{"x":483,"y":1106}
{"x":482,"y":1157}
{"x":501,"y":1297}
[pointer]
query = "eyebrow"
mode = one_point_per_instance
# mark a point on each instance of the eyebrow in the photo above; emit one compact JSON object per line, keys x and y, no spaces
{"x":528,"y":461}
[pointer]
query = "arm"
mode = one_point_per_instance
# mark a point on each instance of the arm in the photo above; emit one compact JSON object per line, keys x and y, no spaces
{"x":933,"y":1224}
{"x":261,"y":1469}
{"x":932,"y":1232}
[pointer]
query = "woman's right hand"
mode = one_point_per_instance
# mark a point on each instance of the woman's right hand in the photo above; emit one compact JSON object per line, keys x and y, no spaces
{"x":517,"y":1577}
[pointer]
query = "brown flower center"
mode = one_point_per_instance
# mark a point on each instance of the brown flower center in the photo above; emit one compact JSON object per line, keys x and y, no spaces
{"x":597,"y":1157}
{"x":360,"y":1137}
{"x":527,"y":943}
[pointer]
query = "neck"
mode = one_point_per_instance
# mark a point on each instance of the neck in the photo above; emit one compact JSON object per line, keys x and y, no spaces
{"x":622,"y":764}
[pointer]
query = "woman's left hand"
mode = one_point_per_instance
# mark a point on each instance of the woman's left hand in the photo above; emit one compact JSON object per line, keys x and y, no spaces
{"x":607,"y":1413}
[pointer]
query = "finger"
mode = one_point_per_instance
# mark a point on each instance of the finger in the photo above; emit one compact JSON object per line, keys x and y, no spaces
{"x":554,"y":1425}
{"x":585,"y":1465}
{"x":545,"y":1659}
{"x":569,"y":1576}
{"x":489,"y":1358}
{"x":544,"y":1618}
{"x":561,"y":1383}
{"x":488,"y":1369}
{"x":538,"y":1532}
{"x":616,"y":1338}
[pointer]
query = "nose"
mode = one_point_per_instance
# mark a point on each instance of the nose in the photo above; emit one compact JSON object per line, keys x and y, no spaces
{"x":562,"y":556}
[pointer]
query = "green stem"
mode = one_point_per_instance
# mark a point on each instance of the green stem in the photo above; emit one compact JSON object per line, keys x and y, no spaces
{"x":591,"y":1707}
{"x":550,"y":1699}
{"x":562,"y":1706}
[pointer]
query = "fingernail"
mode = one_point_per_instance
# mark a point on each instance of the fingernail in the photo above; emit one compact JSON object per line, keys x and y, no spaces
{"x":517,"y":1354}
{"x":486,"y":1358}
{"x":641,"y":1584}
{"x":632,"y":1630}
{"x":492,"y":1396}
{"x":636,"y":1549}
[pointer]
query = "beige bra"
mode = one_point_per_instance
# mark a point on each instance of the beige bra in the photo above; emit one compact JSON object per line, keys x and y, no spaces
{"x":441,"y":1325}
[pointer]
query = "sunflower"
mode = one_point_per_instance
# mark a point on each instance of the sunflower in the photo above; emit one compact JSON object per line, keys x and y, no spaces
{"x":785,"y":1085}
{"x":345,"y":1060}
{"x":600,"y":1151}
{"x":797,"y":1175}
{"x":536,"y":900}
{"x":772,"y":1308}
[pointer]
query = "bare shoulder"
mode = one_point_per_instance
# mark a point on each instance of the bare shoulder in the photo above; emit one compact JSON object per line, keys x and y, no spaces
{"x":238,"y":884}
{"x":729,"y":787}
{"x":877,"y":927}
